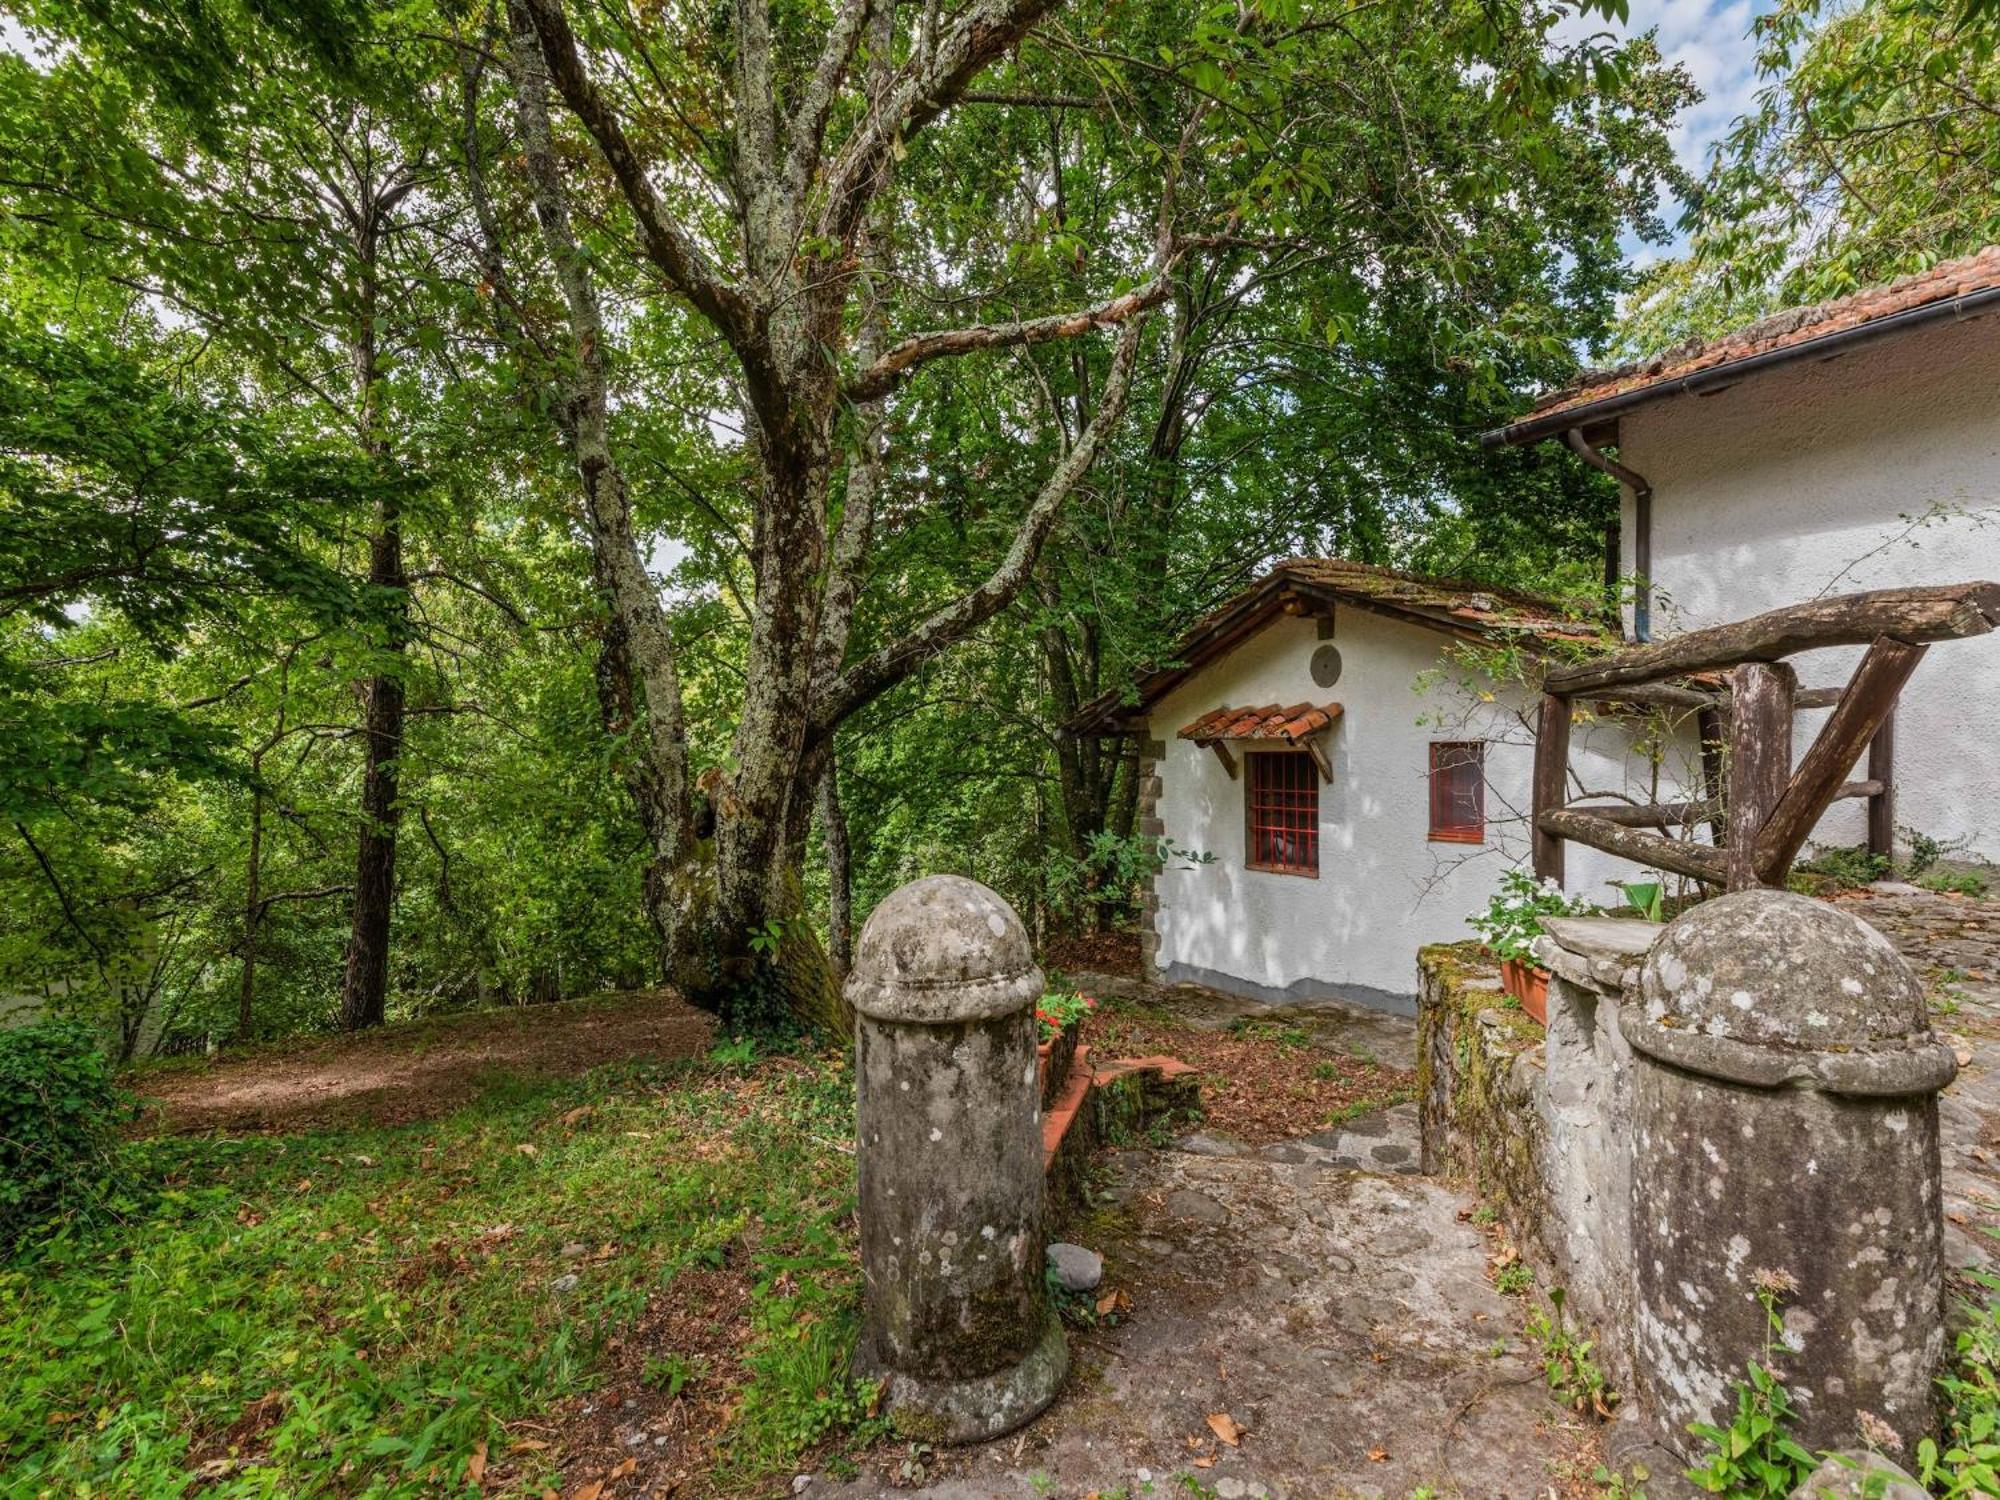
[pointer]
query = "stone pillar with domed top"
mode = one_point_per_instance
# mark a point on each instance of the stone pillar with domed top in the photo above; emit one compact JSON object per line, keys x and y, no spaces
{"x":957,"y":1320}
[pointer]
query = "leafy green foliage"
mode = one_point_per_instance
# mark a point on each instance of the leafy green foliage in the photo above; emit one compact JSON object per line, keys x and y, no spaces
{"x":1872,"y":152}
{"x":60,"y":1113}
{"x":1755,"y":1456}
{"x":1056,"y":1011}
{"x":1573,"y":1375}
{"x":398,"y":1287}
{"x":1512,"y":920}
{"x":1967,"y":1462}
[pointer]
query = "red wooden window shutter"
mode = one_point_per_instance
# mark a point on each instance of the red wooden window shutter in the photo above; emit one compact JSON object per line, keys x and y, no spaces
{"x":1458,"y":791}
{"x":1282,"y":802}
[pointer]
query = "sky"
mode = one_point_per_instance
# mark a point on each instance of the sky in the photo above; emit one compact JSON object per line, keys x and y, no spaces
{"x":1711,"y":38}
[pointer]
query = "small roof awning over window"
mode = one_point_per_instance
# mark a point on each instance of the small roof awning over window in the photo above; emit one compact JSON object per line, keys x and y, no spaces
{"x":1267,"y":723}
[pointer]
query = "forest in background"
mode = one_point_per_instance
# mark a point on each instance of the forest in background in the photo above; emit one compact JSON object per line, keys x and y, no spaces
{"x":502,"y":501}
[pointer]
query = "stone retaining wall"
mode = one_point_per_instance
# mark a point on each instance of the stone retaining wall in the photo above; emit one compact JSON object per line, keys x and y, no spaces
{"x":1478,"y":1061}
{"x":1538,"y":1121}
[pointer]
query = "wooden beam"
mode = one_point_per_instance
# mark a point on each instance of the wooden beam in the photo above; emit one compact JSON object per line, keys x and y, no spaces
{"x":1698,"y":861}
{"x":1311,"y":745}
{"x":1917,"y":615}
{"x":1817,"y":697}
{"x":1882,"y":806}
{"x":1871,"y":694}
{"x":1551,"y":782}
{"x":1656,"y":695}
{"x":1760,"y":759}
{"x":1222,"y":754}
{"x":1858,"y":789}
{"x":1650,"y":814}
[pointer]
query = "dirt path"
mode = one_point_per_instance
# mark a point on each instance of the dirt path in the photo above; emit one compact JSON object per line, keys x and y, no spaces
{"x":417,"y":1071}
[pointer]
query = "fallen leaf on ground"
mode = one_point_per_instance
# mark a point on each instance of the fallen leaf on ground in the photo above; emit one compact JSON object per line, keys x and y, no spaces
{"x":1378,"y":1455}
{"x":528,"y":1148}
{"x":588,"y":1491}
{"x":1225,"y":1427}
{"x":1204,"y":1463}
{"x":630,"y":1466}
{"x":527,"y":1445}
{"x":475,"y":1466}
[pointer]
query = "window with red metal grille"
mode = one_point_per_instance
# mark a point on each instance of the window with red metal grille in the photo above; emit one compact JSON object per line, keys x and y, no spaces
{"x":1283,"y":807}
{"x":1458,"y":791}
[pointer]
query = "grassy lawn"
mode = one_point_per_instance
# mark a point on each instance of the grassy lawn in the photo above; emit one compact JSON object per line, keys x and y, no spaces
{"x":502,"y":1295}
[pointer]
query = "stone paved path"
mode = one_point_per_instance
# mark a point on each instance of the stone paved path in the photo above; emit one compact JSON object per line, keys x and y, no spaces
{"x":1344,"y":1318}
{"x":1314,"y":1290}
{"x":1337,"y":1306}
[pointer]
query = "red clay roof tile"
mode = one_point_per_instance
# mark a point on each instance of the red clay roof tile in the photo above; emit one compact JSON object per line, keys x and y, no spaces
{"x":1941,"y":283}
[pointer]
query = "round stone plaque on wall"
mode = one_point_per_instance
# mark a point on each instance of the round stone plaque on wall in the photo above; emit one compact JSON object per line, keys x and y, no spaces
{"x":1326,"y":665}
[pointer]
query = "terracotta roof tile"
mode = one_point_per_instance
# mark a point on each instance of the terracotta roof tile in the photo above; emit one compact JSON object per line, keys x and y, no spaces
{"x":1267,"y":723}
{"x":1313,"y":585}
{"x":1941,"y":283}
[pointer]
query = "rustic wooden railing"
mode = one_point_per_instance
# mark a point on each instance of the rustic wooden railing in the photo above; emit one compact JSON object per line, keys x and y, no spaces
{"x":1758,"y":806}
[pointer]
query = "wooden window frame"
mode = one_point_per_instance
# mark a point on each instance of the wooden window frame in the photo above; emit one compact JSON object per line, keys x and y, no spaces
{"x":1307,"y":782}
{"x":1449,"y":755}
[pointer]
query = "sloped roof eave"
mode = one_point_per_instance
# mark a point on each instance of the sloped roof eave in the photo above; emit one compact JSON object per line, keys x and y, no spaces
{"x":1249,"y":612}
{"x":1953,"y":290}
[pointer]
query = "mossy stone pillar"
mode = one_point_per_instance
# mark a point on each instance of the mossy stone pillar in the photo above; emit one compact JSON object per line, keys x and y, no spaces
{"x":956,"y":1313}
{"x":1785,"y":1134}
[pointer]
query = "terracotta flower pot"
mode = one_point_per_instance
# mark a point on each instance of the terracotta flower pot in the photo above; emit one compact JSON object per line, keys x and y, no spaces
{"x":1528,"y":984}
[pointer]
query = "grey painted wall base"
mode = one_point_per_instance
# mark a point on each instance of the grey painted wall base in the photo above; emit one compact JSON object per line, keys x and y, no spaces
{"x":1299,"y":989}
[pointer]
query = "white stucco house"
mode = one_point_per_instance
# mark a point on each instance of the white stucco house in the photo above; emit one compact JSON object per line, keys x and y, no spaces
{"x":1343,"y":781}
{"x":1344,"y":784}
{"x":1853,"y":445}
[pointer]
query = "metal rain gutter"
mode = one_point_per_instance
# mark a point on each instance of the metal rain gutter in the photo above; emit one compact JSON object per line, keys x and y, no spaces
{"x":1642,"y":526}
{"x":1825,"y":346}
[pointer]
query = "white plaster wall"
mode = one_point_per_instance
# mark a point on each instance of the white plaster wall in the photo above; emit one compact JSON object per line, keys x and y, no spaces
{"x":1383,"y":889}
{"x":1877,"y":469}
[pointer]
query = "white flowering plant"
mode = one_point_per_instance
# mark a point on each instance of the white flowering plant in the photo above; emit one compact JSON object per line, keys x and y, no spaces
{"x":1512,"y":920}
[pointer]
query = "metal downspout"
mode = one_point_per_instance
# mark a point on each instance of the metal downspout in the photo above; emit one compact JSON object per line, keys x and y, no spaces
{"x":1642,"y":526}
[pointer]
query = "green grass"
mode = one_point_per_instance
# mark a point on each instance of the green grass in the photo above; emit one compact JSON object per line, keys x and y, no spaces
{"x":398,"y":1285}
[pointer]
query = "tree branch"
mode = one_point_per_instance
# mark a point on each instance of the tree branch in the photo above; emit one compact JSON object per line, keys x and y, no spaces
{"x":683,"y":262}
{"x":933,"y":79}
{"x":874,"y":674}
{"x":911,"y":354}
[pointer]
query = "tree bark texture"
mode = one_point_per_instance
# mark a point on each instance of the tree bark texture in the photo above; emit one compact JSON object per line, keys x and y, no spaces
{"x":805,"y":248}
{"x":365,"y":984}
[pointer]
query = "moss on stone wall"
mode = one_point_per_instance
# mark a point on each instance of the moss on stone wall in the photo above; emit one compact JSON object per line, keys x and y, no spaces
{"x":1476,"y":1060}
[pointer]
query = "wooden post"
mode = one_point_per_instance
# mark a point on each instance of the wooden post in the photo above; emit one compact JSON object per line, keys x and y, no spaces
{"x":1760,"y":758}
{"x":1882,"y":806}
{"x":1551,"y":783}
{"x":1871,"y":694}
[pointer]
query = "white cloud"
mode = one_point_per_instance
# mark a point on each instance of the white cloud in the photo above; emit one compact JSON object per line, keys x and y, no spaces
{"x":1711,"y":39}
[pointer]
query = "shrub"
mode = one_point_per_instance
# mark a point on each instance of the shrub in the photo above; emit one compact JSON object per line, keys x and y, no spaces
{"x":1512,"y":920}
{"x":1840,"y":869}
{"x":60,"y":1110}
{"x":1954,"y":882}
{"x":1057,"y":1009}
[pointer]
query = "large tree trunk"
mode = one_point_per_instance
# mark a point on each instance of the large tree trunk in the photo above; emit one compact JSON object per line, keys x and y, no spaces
{"x":637,"y":653}
{"x":365,"y":985}
{"x":246,"y":998}
{"x":782,"y":313}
